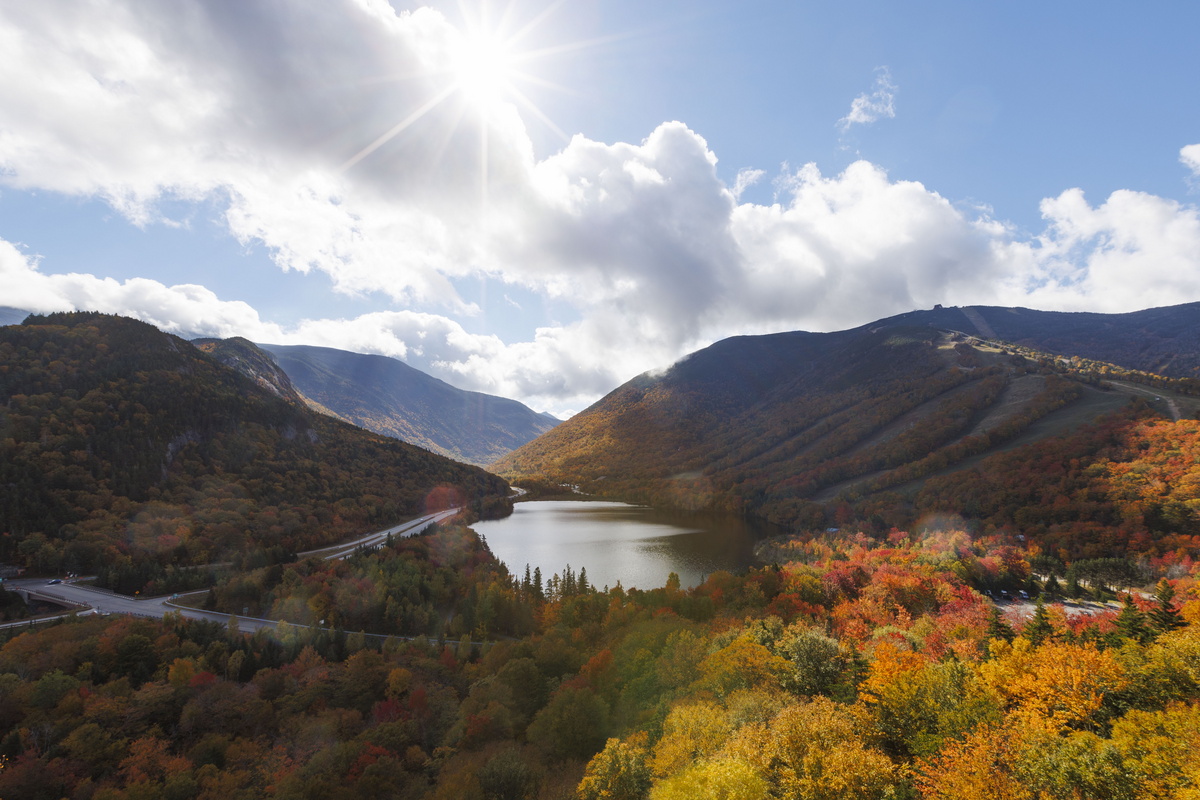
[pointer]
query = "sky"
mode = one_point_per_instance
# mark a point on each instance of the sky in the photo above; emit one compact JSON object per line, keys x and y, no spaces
{"x":541,"y":200}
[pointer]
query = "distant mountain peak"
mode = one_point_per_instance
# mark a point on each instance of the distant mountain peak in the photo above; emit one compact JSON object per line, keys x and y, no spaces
{"x":389,"y":397}
{"x":246,"y":357}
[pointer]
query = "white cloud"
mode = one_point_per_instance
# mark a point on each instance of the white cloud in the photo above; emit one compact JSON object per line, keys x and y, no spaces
{"x":1190,"y":156}
{"x":874,"y":105}
{"x":546,"y":373}
{"x":261,"y":105}
{"x":1135,"y":250}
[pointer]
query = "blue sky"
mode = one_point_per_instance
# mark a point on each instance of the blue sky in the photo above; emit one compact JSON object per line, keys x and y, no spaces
{"x":541,"y":200}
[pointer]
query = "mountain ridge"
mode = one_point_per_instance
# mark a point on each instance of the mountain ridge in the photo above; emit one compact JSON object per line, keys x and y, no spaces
{"x":389,"y":397}
{"x":783,"y":425}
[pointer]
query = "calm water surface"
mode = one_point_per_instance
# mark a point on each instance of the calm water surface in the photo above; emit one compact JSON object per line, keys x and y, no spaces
{"x":616,"y":542}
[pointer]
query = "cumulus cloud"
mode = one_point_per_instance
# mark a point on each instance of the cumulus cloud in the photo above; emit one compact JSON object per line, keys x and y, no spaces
{"x":876,"y":104}
{"x":1134,"y":250}
{"x":326,"y":132}
{"x":1190,"y":156}
{"x":560,"y":371}
{"x":263,"y":104}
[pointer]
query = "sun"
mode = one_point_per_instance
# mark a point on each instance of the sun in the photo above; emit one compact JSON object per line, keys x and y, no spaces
{"x":484,"y":68}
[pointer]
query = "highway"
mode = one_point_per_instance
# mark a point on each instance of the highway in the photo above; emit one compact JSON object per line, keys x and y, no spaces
{"x":85,"y":597}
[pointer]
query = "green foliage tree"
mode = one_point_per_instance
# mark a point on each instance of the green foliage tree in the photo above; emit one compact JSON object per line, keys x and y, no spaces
{"x":574,"y":724}
{"x":1131,"y":622}
{"x":1164,"y":617}
{"x":1038,"y":629}
{"x":506,"y":776}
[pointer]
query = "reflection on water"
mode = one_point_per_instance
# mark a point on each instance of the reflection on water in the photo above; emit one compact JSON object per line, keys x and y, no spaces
{"x":615,"y":542}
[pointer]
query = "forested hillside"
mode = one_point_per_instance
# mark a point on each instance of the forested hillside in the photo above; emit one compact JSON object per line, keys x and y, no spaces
{"x":129,"y":451}
{"x":812,"y":430}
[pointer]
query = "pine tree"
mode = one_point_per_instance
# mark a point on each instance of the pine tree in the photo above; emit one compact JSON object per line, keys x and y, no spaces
{"x":1164,"y":616}
{"x":997,"y":628}
{"x":1073,"y":589}
{"x":1131,"y":622}
{"x":1038,"y":629}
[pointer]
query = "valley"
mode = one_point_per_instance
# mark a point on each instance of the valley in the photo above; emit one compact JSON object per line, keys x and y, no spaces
{"x":944,"y":504}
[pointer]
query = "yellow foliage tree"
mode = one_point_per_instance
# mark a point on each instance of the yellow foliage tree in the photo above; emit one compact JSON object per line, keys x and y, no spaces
{"x":690,"y":732}
{"x":1054,"y":686}
{"x":741,"y":664}
{"x":814,"y":750}
{"x":618,"y":772}
{"x":718,"y":779}
{"x":1162,"y":749}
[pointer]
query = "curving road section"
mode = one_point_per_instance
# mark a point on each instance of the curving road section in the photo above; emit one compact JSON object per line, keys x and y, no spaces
{"x":87,"y":598}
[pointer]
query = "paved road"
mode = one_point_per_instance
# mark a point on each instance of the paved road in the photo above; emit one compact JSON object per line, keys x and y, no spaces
{"x":105,"y":602}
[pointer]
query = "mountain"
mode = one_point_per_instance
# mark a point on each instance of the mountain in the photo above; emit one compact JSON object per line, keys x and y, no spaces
{"x":11,"y":316}
{"x":126,"y":448}
{"x":389,"y":397}
{"x":793,"y":426}
{"x":245,"y":357}
{"x":1165,"y":341}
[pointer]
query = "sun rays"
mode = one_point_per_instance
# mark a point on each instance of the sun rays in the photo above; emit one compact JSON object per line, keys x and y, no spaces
{"x":485,"y":71}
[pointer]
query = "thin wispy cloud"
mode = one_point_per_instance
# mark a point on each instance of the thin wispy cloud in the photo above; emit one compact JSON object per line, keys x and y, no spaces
{"x":874,"y":105}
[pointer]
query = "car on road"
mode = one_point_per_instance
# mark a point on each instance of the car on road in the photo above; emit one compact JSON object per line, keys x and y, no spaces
{"x":53,"y":581}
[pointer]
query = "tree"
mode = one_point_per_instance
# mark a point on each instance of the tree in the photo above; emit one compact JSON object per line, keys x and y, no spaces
{"x":506,"y":776}
{"x":719,"y":779}
{"x":814,"y":750}
{"x":1131,"y":622}
{"x":1038,"y":629}
{"x":690,"y":732}
{"x":977,"y":767}
{"x":1052,"y":687}
{"x":1164,"y":617}
{"x":573,"y":725}
{"x":997,"y":628}
{"x":1162,"y":748}
{"x":618,"y":772}
{"x":817,"y":663}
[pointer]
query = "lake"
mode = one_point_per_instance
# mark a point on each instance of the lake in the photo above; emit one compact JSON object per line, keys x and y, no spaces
{"x":635,"y":545}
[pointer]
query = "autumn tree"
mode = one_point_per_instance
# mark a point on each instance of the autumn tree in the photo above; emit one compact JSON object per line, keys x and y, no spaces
{"x":618,"y":772}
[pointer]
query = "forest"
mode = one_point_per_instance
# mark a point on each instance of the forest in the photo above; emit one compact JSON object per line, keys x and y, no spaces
{"x":852,"y":666}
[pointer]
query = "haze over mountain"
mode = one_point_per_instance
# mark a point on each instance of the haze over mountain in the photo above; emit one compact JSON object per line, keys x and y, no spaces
{"x":389,"y":397}
{"x":781,"y":426}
